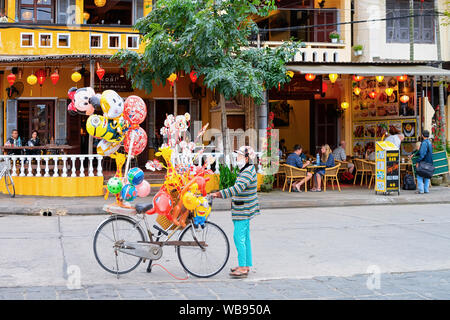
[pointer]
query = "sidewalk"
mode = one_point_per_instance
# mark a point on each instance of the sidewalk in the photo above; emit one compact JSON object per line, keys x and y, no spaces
{"x":350,"y":196}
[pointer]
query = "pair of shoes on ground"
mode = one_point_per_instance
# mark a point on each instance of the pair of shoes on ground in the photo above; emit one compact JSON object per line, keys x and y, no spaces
{"x":296,"y":190}
{"x":418,"y":192}
{"x":316,"y":190}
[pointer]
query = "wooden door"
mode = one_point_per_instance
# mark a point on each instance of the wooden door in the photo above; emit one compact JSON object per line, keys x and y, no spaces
{"x":324,"y":125}
{"x":42,"y":114}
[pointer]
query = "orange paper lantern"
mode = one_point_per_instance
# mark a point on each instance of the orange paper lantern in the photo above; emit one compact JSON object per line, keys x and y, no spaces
{"x":357,"y":91}
{"x":40,"y":74}
{"x":372,"y":94}
{"x":402,"y":78}
{"x":357,"y":78}
{"x":310,"y":76}
{"x":404,"y":99}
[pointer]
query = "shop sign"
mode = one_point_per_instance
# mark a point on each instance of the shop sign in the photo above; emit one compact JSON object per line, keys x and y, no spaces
{"x":297,"y":88}
{"x":112,"y":81}
{"x":387,"y":167}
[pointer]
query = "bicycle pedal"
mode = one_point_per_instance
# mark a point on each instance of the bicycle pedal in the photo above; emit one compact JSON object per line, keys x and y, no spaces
{"x":160,"y":230}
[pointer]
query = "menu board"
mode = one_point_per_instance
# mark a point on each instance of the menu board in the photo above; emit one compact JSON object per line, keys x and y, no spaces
{"x":365,"y":133}
{"x":374,"y":103}
{"x":387,"y":167}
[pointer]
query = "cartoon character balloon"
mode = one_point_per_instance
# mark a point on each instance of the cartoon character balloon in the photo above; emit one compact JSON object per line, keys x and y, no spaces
{"x":103,"y":128}
{"x":82,"y":100}
{"x":135,"y":110}
{"x":107,"y":148}
{"x":111,"y":104}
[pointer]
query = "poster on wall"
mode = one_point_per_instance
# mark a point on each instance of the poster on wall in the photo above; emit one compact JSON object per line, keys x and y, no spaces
{"x":280,"y":110}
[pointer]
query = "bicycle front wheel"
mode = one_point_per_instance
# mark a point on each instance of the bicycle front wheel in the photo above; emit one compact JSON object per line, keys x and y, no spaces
{"x":107,"y":240}
{"x":210,"y":261}
{"x":9,"y":183}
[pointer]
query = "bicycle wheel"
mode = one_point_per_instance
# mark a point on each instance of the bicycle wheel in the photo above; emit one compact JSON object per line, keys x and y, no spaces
{"x":204,"y":263}
{"x":9,"y":183}
{"x":106,"y":252}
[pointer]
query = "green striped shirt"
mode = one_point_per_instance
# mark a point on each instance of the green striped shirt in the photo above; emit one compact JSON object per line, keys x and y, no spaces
{"x":244,"y":196}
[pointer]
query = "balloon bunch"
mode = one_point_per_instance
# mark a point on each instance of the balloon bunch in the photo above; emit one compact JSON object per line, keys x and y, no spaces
{"x":118,"y":124}
{"x":136,"y":186}
{"x":184,"y":188}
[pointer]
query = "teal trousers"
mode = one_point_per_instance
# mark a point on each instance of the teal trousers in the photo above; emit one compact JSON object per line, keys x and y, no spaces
{"x":242,"y":241}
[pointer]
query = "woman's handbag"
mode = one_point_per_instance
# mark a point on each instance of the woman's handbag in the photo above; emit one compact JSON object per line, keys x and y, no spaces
{"x":425,"y":170}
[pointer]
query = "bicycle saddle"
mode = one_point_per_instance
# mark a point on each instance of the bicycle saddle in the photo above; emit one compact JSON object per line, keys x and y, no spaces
{"x":143,"y":207}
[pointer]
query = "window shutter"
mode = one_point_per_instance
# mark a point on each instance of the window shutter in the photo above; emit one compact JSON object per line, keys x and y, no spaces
{"x":61,"y":121}
{"x":1,"y":122}
{"x":11,"y":116}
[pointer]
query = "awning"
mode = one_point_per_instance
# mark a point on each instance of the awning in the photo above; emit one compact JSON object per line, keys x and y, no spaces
{"x":370,"y":70}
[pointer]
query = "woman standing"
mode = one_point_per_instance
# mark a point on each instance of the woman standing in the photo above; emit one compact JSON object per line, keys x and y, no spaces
{"x":326,"y":160}
{"x":243,"y":208}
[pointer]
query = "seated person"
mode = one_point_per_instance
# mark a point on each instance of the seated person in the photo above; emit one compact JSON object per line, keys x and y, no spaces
{"x":294,"y":160}
{"x":370,"y":154}
{"x":327,"y":160}
{"x":14,"y":141}
{"x":34,"y":142}
{"x":339,"y":154}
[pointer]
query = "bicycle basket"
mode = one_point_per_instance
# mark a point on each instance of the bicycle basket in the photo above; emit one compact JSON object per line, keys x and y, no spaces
{"x":165,"y":223}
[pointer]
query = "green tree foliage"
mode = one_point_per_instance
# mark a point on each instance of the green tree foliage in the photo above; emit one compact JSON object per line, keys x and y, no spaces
{"x":212,"y":38}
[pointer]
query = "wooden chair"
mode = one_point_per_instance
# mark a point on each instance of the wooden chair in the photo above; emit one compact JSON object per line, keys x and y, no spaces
{"x":294,"y":173}
{"x":281,"y":174}
{"x":372,"y":167}
{"x":332,"y":175}
{"x":361,"y":169}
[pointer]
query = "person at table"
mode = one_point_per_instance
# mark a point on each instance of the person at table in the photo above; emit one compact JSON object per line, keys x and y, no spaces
{"x":282,"y":150}
{"x":426,"y":155}
{"x":327,"y":160}
{"x":295,"y":160}
{"x":340,"y":155}
{"x":34,"y":142}
{"x":396,"y":139}
{"x":370,"y":154}
{"x":14,"y":141}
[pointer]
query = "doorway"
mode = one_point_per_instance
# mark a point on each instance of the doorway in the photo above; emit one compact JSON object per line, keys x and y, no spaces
{"x":324,"y":124}
{"x":36,"y":115}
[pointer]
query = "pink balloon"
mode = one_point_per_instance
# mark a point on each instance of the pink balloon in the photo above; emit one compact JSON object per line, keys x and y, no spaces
{"x":143,"y":189}
{"x":134,"y":110}
{"x":140,"y":141}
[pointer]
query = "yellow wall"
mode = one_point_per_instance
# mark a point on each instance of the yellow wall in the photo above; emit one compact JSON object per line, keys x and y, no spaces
{"x":298,"y":130}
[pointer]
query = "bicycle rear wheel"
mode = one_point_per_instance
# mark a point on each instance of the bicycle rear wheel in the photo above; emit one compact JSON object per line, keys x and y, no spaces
{"x":9,"y":183}
{"x":204,"y":263}
{"x":106,"y":238}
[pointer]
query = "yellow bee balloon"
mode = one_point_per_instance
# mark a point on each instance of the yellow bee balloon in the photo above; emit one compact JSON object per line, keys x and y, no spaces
{"x":203,"y":209}
{"x":102,"y":128}
{"x":112,"y":104}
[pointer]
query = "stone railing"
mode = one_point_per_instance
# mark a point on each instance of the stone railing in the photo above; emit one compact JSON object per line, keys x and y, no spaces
{"x":73,"y":165}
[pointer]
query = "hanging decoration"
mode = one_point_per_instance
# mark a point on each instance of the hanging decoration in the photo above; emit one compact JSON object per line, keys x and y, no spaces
{"x":333,"y":77}
{"x":344,"y":105}
{"x":100,"y":72}
{"x":19,"y":73}
{"x":54,"y":77}
{"x":372,"y":94}
{"x":324,"y":87}
{"x":41,"y":76}
{"x":100,"y":3}
{"x":357,"y":91}
{"x":389,"y":91}
{"x":402,"y":78}
{"x":404,"y":99}
{"x":193,"y":75}
{"x":172,"y":78}
{"x":290,"y":74}
{"x":357,"y":78}
{"x":31,"y":80}
{"x":76,"y":76}
{"x":310,"y":77}
{"x":379,"y":78}
{"x":11,"y":78}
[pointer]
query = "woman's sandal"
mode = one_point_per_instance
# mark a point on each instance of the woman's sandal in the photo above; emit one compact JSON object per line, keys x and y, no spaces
{"x":239,"y":274}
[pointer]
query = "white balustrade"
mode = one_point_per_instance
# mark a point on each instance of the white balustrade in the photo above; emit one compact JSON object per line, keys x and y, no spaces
{"x":55,"y":165}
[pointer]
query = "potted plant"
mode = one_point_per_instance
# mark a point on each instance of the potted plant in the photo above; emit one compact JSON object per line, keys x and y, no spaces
{"x":334,"y":36}
{"x":358,"y":50}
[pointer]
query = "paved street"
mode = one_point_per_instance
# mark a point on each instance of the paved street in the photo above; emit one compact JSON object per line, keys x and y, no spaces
{"x":371,"y":252}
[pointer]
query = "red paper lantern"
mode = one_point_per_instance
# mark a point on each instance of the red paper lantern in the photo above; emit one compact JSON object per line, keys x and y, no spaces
{"x":11,"y":78}
{"x":40,"y":75}
{"x":54,"y":77}
{"x":310,"y":76}
{"x":404,"y":99}
{"x":193,"y":75}
{"x":372,"y":94}
{"x":324,"y":87}
{"x":100,"y":72}
{"x":357,"y":78}
{"x":402,"y":78}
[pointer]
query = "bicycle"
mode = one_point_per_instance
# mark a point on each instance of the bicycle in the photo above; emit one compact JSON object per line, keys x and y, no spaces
{"x":5,"y":171}
{"x":202,"y":250}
